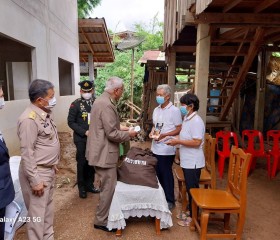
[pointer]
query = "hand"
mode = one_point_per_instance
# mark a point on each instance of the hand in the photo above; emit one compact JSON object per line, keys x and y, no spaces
{"x":172,"y":142}
{"x":86,"y":133}
{"x":161,"y":136}
{"x":55,"y":169}
{"x":124,"y":128}
{"x":38,"y":190}
{"x":151,"y":133}
{"x":132,"y":133}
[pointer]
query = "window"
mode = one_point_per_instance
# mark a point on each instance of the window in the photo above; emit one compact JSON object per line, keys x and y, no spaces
{"x":66,"y":80}
{"x":15,"y":68}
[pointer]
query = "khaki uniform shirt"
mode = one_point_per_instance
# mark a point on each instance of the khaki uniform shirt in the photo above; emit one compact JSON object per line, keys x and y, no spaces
{"x":39,"y":142}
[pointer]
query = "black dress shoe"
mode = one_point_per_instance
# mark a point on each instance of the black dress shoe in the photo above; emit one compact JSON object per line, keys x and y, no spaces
{"x":104,"y":228}
{"x":92,"y":189}
{"x":170,"y":205}
{"x":82,"y":193}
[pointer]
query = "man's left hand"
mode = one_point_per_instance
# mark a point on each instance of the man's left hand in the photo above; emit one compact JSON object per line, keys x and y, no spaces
{"x":55,"y":169}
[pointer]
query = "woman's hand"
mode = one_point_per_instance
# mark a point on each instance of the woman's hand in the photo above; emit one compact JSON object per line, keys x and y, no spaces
{"x":173,"y":142}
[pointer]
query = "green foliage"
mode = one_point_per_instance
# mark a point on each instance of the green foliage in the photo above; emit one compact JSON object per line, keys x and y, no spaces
{"x":276,"y":54}
{"x":121,"y":67}
{"x":85,"y":7}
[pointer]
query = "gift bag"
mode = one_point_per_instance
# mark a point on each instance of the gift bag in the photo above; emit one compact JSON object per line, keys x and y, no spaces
{"x":138,"y":168}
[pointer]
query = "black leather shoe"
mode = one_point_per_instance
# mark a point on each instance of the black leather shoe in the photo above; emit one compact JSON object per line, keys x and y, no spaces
{"x":82,"y":193}
{"x":170,"y":205}
{"x":92,"y":189}
{"x":104,"y":228}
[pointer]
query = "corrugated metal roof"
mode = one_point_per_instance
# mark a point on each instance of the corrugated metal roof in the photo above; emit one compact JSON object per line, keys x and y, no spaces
{"x":152,"y":55}
{"x":94,"y":39}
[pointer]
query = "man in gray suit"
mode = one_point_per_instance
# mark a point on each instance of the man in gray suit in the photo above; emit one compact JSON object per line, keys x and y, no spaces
{"x":104,"y":137}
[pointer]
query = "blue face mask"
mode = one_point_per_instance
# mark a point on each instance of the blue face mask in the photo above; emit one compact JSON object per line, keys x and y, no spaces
{"x":160,"y":100}
{"x":184,"y":110}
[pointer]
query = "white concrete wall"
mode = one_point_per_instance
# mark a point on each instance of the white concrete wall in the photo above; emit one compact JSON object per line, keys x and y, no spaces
{"x":50,"y":26}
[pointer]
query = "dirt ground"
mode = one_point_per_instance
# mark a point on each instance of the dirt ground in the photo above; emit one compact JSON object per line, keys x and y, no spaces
{"x":74,"y":216}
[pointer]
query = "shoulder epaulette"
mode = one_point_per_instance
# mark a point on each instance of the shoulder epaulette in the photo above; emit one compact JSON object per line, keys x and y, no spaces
{"x":32,"y":115}
{"x":77,"y":100}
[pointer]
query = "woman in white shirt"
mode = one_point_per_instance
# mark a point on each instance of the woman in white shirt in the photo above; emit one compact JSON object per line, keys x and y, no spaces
{"x":191,"y":140}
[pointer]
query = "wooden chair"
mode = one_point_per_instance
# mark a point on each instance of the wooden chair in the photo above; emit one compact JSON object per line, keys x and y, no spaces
{"x":208,"y":174}
{"x":231,"y":200}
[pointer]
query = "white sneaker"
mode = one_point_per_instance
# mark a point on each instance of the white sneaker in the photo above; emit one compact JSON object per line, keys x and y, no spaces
{"x":185,"y":223}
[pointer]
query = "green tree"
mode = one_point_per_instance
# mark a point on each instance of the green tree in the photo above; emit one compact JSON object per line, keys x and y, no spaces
{"x":121,"y":67}
{"x":85,"y":7}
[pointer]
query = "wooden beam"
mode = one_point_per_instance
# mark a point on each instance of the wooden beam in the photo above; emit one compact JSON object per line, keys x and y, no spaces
{"x":88,"y":42}
{"x":263,"y":5}
{"x":231,"y":40}
{"x":94,"y":44}
{"x":231,"y":5}
{"x":213,"y":32}
{"x":253,"y":50}
{"x":213,"y":49}
{"x":93,"y":34}
{"x":97,"y":54}
{"x":91,"y":22}
{"x":231,"y":33}
{"x":234,"y":61}
{"x":239,"y":18}
{"x":272,"y":39}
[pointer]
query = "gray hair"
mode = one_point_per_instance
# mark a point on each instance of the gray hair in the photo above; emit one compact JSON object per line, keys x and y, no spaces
{"x":165,"y":87}
{"x":39,"y":88}
{"x":113,"y":83}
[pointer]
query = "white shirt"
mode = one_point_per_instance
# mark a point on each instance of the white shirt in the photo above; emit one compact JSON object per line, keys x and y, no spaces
{"x":193,"y":128}
{"x":169,"y":117}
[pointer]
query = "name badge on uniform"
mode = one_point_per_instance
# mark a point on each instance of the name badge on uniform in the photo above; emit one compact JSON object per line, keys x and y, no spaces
{"x":88,"y":118}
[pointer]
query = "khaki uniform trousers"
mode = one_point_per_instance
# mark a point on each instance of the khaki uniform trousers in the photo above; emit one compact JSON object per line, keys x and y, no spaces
{"x":108,"y":181}
{"x":40,"y":209}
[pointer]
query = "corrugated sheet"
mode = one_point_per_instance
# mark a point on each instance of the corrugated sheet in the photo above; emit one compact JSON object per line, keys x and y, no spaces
{"x":189,"y":3}
{"x":94,"y":38}
{"x":201,"y":5}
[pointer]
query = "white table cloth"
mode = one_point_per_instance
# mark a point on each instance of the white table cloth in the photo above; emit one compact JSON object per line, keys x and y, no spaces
{"x":137,"y":201}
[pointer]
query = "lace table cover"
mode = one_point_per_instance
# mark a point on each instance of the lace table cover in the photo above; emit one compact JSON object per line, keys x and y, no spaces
{"x":137,"y":201}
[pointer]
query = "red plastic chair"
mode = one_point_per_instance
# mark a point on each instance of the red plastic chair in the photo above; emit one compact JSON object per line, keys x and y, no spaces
{"x":255,"y":146}
{"x":225,"y":137}
{"x":274,"y":151}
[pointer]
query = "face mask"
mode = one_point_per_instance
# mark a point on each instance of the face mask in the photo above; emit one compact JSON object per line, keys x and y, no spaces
{"x":184,"y":110}
{"x":87,"y":96}
{"x":52,"y":103}
{"x":2,"y":102}
{"x":160,"y":100}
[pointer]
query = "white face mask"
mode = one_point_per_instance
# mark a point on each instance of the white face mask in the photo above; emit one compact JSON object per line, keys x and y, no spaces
{"x":52,"y":103}
{"x":87,"y":96}
{"x":2,"y":102}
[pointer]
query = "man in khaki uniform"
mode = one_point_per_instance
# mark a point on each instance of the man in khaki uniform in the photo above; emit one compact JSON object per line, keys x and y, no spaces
{"x":40,"y":151}
{"x":103,"y":146}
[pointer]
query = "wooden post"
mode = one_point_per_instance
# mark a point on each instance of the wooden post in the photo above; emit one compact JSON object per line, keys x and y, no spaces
{"x":90,"y":67}
{"x":202,"y":68}
{"x":157,"y":223}
{"x":171,"y":73}
{"x":132,"y":81}
{"x":260,"y":91}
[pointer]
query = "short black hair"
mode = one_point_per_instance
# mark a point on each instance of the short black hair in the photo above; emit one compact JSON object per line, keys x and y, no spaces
{"x":189,"y":99}
{"x":39,"y":88}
